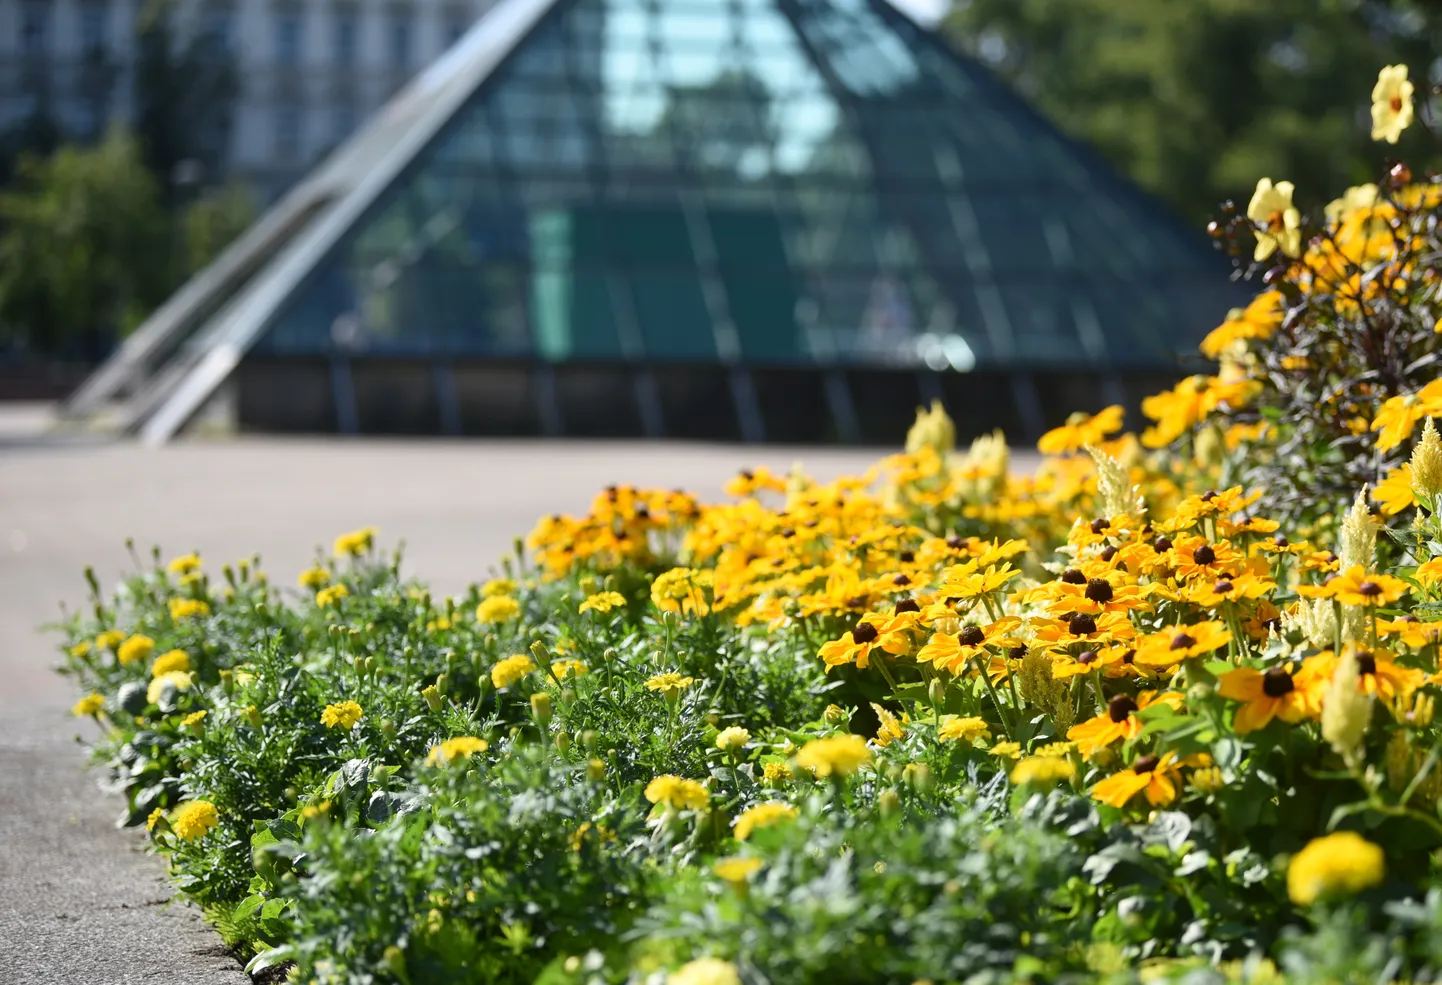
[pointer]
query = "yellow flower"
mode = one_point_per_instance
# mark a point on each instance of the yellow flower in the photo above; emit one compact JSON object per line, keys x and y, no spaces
{"x":313,"y":578}
{"x":497,"y":609}
{"x":775,"y":773}
{"x":682,"y":590}
{"x":136,"y":649}
{"x":1081,"y":429}
{"x":705,"y":971}
{"x":1398,"y":416}
{"x":355,"y":543}
{"x":839,"y":755}
{"x":184,"y":564}
{"x":1356,"y":587}
{"x":80,"y":649}
{"x":737,"y":870}
{"x":178,"y":678}
{"x":763,"y":816}
{"x":185,"y":608}
{"x":90,"y":705}
{"x":195,"y":819}
{"x":734,"y":737}
{"x":461,"y":747}
{"x":1042,"y":770}
{"x":681,"y":794}
{"x":327,"y":597}
{"x":1155,"y":775}
{"x":193,"y":720}
{"x":969,"y":729}
{"x":1339,"y":864}
{"x":568,"y":668}
{"x":497,"y":587}
{"x":110,"y":639}
{"x":1007,"y":750}
{"x":342,"y":716}
{"x":670,"y":684}
{"x":154,"y":818}
{"x":510,"y":670}
{"x":1391,"y":104}
{"x":603,"y":602}
{"x":1394,"y":493}
{"x":1353,"y":201}
{"x":1271,"y":208}
{"x":168,"y":661}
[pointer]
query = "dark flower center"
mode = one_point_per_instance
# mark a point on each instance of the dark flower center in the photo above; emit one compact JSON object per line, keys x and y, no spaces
{"x":864,"y":633}
{"x":1182,"y":640}
{"x":1120,"y":707}
{"x":1108,"y":553}
{"x":1129,"y":656}
{"x":906,"y":557}
{"x":788,"y":532}
{"x":1277,"y":682}
{"x":971,"y":636}
{"x":1280,"y":541}
{"x":901,"y":580}
{"x":1081,"y":624}
{"x":1366,"y":663}
{"x":1145,"y":764}
{"x":1099,"y":590}
{"x":955,"y":542}
{"x":1204,"y":554}
{"x":1016,"y":652}
{"x":907,"y":605}
{"x":1223,"y":587}
{"x":1072,"y":576}
{"x":1100,"y":524}
{"x":1209,"y":495}
{"x":1370,"y":588}
{"x":1086,"y":657}
{"x":1162,"y":545}
{"x":857,"y":602}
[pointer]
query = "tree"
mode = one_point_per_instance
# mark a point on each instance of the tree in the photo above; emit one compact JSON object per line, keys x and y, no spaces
{"x":1197,"y":99}
{"x":82,"y":243}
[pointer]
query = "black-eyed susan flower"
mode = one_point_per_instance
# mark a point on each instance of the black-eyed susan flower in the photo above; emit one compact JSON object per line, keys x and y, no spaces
{"x":1081,"y":429}
{"x":1357,"y":586}
{"x":1170,"y":647}
{"x":342,"y":715}
{"x":856,"y":645}
{"x":1378,"y":672}
{"x":952,"y":651}
{"x":1339,"y":864}
{"x":837,"y":755}
{"x":1394,"y":493}
{"x":1157,"y":776}
{"x":1274,"y":693}
{"x":1119,"y":721}
{"x":1399,"y":416}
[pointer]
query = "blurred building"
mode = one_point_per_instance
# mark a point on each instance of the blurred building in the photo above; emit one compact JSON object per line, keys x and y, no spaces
{"x":772,"y":220}
{"x":309,"y":71}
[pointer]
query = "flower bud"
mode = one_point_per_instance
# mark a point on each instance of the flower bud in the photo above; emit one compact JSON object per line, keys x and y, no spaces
{"x":541,"y":707}
{"x":936,"y":692}
{"x":918,"y":776}
{"x":596,"y":770}
{"x":227,"y":681}
{"x":563,"y":742}
{"x":252,"y":714}
{"x":835,"y":715}
{"x":434,"y":701}
{"x":889,"y":802}
{"x":589,"y":739}
{"x":359,"y":663}
{"x":568,"y":696}
{"x":388,"y":729}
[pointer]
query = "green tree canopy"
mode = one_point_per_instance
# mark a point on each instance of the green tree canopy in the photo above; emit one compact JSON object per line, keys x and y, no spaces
{"x":1197,"y":99}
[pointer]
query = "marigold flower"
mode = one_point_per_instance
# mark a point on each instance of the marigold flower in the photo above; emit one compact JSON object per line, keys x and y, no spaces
{"x":737,"y":870}
{"x":136,"y":649}
{"x":497,"y":609}
{"x":497,"y":587}
{"x":355,"y":543}
{"x":80,"y":649}
{"x":1006,"y":750}
{"x":678,"y":793}
{"x":1339,"y":864}
{"x":188,"y":608}
{"x":568,"y":668}
{"x":89,"y":706}
{"x":510,"y":670}
{"x":967,"y":730}
{"x":839,"y":755}
{"x":184,"y":564}
{"x":178,"y":679}
{"x":168,"y":661}
{"x":193,"y":721}
{"x":1157,"y":776}
{"x":682,"y":590}
{"x":1271,"y":208}
{"x":313,"y":578}
{"x":603,"y":602}
{"x":110,"y":639}
{"x":670,"y":684}
{"x":705,"y":971}
{"x":330,"y":596}
{"x":734,"y":737}
{"x":1042,"y":770}
{"x":763,"y":816}
{"x":1391,"y":104}
{"x":154,"y":818}
{"x":195,"y":819}
{"x":342,"y":716}
{"x":460,"y":747}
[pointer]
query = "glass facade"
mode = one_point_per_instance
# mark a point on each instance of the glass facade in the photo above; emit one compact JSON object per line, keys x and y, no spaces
{"x":761,"y":183}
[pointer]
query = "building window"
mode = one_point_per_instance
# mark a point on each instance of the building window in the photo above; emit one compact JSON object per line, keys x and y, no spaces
{"x":94,"y":26}
{"x":34,"y":23}
{"x":287,"y":37}
{"x":287,"y":133}
{"x":347,"y":33}
{"x":400,"y":37}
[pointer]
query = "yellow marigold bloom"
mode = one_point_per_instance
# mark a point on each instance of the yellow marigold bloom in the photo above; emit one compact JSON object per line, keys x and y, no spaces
{"x":737,"y":870}
{"x":1081,"y":429}
{"x":1157,"y":776}
{"x":734,"y":737}
{"x":168,"y":661}
{"x":1356,"y":586}
{"x":497,"y":609}
{"x":1339,"y":864}
{"x":184,"y":564}
{"x":136,"y":649}
{"x":112,"y":638}
{"x":679,"y":793}
{"x":88,"y":706}
{"x":79,"y":649}
{"x":195,"y":819}
{"x":313,"y":578}
{"x":154,"y":818}
{"x":968,"y":730}
{"x":1271,"y":208}
{"x":1394,"y":493}
{"x":775,"y":773}
{"x":682,"y":590}
{"x":839,"y":755}
{"x":1042,"y":770}
{"x":1055,"y":749}
{"x":669,"y":684}
{"x":193,"y":720}
{"x":355,"y":543}
{"x":1398,"y":416}
{"x":568,"y":668}
{"x":705,"y":971}
{"x":179,"y":678}
{"x":497,"y":587}
{"x":1006,"y":750}
{"x":763,"y":816}
{"x":603,"y":602}
{"x":1391,"y":104}
{"x":187,"y":608}
{"x":510,"y":670}
{"x":342,"y":716}
{"x":461,"y":747}
{"x":331,"y":595}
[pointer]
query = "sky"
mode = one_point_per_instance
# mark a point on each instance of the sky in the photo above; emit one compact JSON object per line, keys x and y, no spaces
{"x":926,"y":11}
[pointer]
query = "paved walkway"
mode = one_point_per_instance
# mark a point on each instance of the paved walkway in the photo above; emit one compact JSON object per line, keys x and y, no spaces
{"x":80,"y":903}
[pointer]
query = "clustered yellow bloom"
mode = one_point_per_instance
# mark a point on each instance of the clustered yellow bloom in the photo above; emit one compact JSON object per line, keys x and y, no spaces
{"x":136,"y":649}
{"x":838,"y":755}
{"x":188,"y":608}
{"x":682,"y":590}
{"x":184,"y":564}
{"x":194,"y":819}
{"x":705,"y":971}
{"x":168,"y":661}
{"x":763,"y":815}
{"x":178,"y":679}
{"x":343,"y":715}
{"x":355,"y":543}
{"x":734,"y":737}
{"x":511,"y":669}
{"x":678,"y":793}
{"x":603,"y":602}
{"x":89,"y":706}
{"x":313,"y":578}
{"x":1340,"y":864}
{"x":331,"y":596}
{"x":497,"y":609}
{"x":461,"y":747}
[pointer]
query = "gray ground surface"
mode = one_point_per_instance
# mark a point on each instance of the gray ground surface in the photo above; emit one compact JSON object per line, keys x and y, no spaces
{"x":80,"y":903}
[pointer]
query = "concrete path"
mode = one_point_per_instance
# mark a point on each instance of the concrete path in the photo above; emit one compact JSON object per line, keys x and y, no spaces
{"x":80,"y":903}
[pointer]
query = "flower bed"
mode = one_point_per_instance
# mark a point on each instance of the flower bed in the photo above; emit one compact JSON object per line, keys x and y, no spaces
{"x":1164,"y":709}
